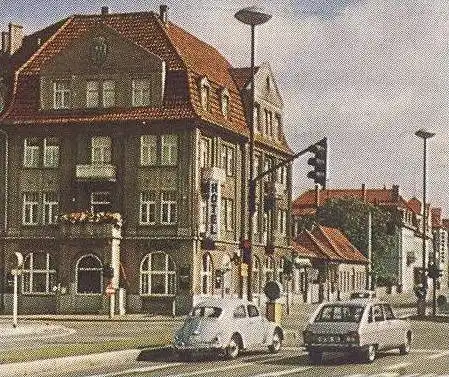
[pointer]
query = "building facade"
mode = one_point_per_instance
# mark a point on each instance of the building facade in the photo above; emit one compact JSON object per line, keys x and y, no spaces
{"x":125,"y":167}
{"x":407,"y":265}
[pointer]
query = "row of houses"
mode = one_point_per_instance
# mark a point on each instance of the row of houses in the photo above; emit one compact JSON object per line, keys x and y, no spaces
{"x":124,"y":167}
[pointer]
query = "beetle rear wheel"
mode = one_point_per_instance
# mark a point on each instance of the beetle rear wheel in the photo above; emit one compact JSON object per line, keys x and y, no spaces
{"x":233,"y":348}
{"x":276,"y":342}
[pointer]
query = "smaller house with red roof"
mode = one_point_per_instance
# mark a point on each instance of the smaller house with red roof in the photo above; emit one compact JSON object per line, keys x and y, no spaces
{"x":336,"y":269}
{"x":440,"y":228}
{"x":407,"y":266}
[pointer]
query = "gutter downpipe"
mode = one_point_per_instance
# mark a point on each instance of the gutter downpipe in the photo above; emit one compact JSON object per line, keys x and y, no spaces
{"x":5,"y":220}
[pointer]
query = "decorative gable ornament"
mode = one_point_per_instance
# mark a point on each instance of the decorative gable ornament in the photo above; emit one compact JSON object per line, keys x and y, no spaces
{"x":99,"y":50}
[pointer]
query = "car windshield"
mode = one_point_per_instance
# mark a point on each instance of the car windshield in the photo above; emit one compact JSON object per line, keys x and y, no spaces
{"x":206,"y":311}
{"x":340,"y":313}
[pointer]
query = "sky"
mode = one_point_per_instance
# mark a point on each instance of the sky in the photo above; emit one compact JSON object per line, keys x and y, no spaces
{"x":366,"y":74}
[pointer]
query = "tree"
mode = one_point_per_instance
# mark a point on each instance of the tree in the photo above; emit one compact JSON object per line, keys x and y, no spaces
{"x":350,"y":215}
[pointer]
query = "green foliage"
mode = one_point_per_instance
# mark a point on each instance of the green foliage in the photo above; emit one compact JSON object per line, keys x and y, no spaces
{"x":350,"y":215}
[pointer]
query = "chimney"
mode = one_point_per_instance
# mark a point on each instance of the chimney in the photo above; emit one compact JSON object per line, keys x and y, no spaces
{"x":363,"y":193}
{"x":163,"y":13}
{"x":5,"y":41}
{"x":104,"y":10}
{"x":317,"y":196}
{"x":395,"y":193}
{"x":15,"y":37}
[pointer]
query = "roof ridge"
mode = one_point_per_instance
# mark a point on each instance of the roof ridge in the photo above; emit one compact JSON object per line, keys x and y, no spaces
{"x":329,"y":240}
{"x":28,"y":61}
{"x":320,"y":245}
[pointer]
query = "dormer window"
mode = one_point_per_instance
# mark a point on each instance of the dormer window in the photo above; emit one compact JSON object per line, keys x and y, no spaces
{"x":225,"y":103}
{"x":205,"y":93}
{"x":141,"y":92}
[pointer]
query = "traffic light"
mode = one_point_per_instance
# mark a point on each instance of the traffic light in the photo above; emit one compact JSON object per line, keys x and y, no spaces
{"x":319,"y":162}
{"x":434,"y":272}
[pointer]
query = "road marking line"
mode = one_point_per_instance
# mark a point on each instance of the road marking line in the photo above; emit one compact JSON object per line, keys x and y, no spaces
{"x":213,"y":370}
{"x":398,"y":366}
{"x":136,"y":370}
{"x":438,"y":355}
{"x":282,"y":373}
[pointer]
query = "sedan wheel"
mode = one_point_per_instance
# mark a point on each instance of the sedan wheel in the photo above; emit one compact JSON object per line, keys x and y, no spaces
{"x":233,"y":348}
{"x":370,"y":353}
{"x":275,"y":346}
{"x":404,"y":349}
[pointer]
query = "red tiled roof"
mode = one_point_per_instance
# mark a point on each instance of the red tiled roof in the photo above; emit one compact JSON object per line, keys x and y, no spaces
{"x":327,"y":244}
{"x":187,"y":60}
{"x":305,"y":204}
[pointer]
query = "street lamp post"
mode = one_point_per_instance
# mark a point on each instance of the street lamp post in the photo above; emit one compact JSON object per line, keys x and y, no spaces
{"x":251,"y":16}
{"x":424,"y":134}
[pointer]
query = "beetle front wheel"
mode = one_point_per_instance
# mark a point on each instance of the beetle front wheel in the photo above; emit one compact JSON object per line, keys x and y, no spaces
{"x":233,"y":348}
{"x":276,"y":342}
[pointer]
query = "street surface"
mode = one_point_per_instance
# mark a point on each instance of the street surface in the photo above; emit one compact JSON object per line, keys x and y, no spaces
{"x":429,"y":357}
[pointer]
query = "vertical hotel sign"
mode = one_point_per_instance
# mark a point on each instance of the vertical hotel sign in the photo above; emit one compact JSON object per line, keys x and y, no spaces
{"x":214,"y":209}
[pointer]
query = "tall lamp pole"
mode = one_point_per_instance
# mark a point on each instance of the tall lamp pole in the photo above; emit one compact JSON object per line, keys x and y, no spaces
{"x":251,"y":16}
{"x":424,"y":134}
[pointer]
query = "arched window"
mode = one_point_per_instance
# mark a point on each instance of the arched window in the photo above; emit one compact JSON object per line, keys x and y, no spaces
{"x":38,"y":273}
{"x":89,"y":275}
{"x":269,"y":268}
{"x":256,"y":278}
{"x":157,"y":275}
{"x":207,"y":275}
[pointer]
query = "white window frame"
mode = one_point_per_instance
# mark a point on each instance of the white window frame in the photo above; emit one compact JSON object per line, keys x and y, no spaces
{"x":92,"y":94}
{"x":141,"y":92}
{"x":225,"y":103}
{"x":205,"y":152}
{"x":207,"y":272}
{"x":51,"y":153}
{"x":228,"y":159}
{"x":205,"y":94}
{"x":108,"y":93}
{"x":168,"y":208}
{"x":203,"y":214}
{"x":169,"y":149}
{"x":95,"y":269}
{"x":30,"y":208}
{"x":256,"y":276}
{"x":94,"y":202}
{"x":147,"y":213}
{"x":269,"y":268}
{"x":29,"y":271}
{"x":169,"y":274}
{"x":282,"y":222}
{"x":61,"y":94}
{"x":228,"y":213}
{"x":30,"y":153}
{"x":101,"y":150}
{"x":148,"y":150}
{"x":50,"y":206}
{"x":256,"y":222}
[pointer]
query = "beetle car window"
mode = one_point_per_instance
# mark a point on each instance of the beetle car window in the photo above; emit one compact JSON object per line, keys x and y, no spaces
{"x":340,"y":313}
{"x":252,"y":311}
{"x":377,"y":313}
{"x":206,"y":311}
{"x":388,"y":312}
{"x":239,"y":312}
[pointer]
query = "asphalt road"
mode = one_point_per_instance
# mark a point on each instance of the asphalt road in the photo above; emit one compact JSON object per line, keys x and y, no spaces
{"x":429,"y":357}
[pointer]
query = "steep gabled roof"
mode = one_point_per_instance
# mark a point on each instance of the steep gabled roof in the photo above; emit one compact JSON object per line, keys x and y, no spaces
{"x":187,"y":60}
{"x":327,"y":244}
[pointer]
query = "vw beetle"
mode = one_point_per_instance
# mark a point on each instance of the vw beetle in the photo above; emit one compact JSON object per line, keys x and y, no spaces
{"x":227,"y":326}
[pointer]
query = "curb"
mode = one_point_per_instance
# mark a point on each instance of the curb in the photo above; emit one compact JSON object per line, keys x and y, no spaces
{"x":81,"y":318}
{"x":69,"y":363}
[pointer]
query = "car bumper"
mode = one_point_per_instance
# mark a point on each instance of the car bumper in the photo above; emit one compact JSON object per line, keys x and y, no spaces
{"x":334,"y":347}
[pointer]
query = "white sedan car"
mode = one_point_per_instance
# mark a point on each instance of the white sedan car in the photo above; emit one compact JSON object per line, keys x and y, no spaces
{"x":226,"y":325}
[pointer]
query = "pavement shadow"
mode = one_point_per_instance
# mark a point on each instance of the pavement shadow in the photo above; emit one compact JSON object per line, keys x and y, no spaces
{"x":157,"y":354}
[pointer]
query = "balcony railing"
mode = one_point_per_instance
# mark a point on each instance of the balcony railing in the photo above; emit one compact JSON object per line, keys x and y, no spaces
{"x":96,"y":172}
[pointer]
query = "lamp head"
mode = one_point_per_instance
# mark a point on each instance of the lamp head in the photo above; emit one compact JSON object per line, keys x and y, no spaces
{"x":424,"y":134}
{"x":252,"y":16}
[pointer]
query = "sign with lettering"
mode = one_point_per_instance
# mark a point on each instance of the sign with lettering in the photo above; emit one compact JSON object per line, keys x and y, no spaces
{"x":214,"y":210}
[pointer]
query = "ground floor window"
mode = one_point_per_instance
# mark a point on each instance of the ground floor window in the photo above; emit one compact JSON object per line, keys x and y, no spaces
{"x":38,"y":273}
{"x":89,"y":275}
{"x":206,"y":275}
{"x":157,"y":275}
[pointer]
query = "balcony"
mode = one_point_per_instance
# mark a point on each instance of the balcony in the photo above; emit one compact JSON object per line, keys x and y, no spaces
{"x":213,"y":173}
{"x":87,"y":225}
{"x":98,"y":172}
